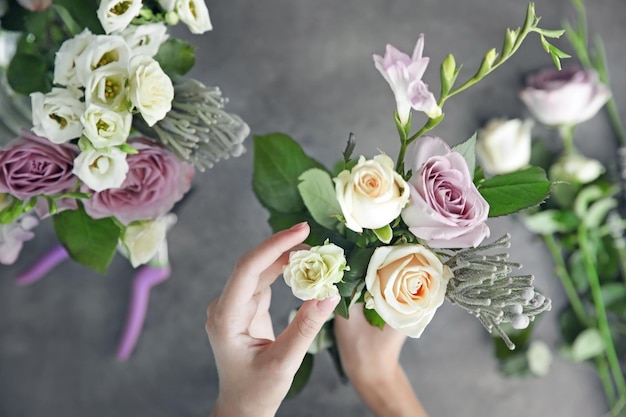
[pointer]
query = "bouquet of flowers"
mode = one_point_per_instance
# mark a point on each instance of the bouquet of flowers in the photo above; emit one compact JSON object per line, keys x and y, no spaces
{"x":582,"y":225}
{"x":116,"y":133}
{"x":400,"y":236}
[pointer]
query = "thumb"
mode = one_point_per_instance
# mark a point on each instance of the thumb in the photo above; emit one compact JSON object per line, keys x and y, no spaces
{"x":294,"y":341}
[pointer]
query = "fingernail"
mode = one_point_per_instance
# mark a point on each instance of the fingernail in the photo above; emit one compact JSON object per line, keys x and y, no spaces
{"x":327,"y":305}
{"x":298,"y":226}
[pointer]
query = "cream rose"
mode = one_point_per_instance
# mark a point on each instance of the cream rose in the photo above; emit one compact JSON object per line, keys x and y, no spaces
{"x":504,"y":145}
{"x":313,"y":273}
{"x":576,"y":168}
{"x":406,"y":284}
{"x":195,"y":15}
{"x":372,"y":194}
{"x":101,"y":169}
{"x":115,"y":15}
{"x":151,"y":90}
{"x":56,"y":115}
{"x":142,"y":240}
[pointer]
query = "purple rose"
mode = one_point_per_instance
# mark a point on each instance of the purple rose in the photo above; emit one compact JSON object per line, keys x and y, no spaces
{"x":565,"y":97}
{"x":156,"y":180}
{"x":31,"y":166}
{"x":446,"y":210}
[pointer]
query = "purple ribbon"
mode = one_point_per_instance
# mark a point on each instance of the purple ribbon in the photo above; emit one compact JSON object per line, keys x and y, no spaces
{"x":45,"y":264}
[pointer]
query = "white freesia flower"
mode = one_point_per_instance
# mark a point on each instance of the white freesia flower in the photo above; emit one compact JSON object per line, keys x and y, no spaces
{"x":143,"y":240}
{"x":167,"y":5}
{"x":104,"y":127}
{"x":56,"y":115}
{"x":13,"y":236}
{"x":372,"y":194}
{"x":115,"y":15}
{"x":313,"y":273}
{"x":102,"y":51}
{"x":65,"y":60}
{"x":406,"y":284}
{"x":101,"y":169}
{"x":151,"y":90}
{"x":504,"y":145}
{"x":145,"y":39}
{"x":576,"y":168}
{"x":195,"y":15}
{"x":107,"y":87}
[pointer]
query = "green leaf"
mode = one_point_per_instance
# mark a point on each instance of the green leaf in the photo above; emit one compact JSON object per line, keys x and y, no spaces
{"x":384,"y":234}
{"x":278,"y":162}
{"x":318,"y":193}
{"x":176,"y":57}
{"x":90,"y":242}
{"x":281,"y":221}
{"x":72,"y":26}
{"x":84,"y":12}
{"x":551,"y":221}
{"x":342,"y":308}
{"x":467,"y":149}
{"x":509,"y":193}
{"x":302,"y":376}
{"x":587,"y":345}
{"x":28,"y":73}
{"x":613,"y":293}
{"x":373,"y":317}
{"x":15,"y":18}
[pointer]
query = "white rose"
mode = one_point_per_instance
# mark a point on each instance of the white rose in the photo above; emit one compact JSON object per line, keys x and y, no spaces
{"x":372,"y":194}
{"x":107,"y":87}
{"x":194,"y":14}
{"x":105,"y":128}
{"x":167,"y":5}
{"x":142,"y":240}
{"x":504,"y":145}
{"x":115,"y":15}
{"x":406,"y":284}
{"x":145,"y":39}
{"x":151,"y":90}
{"x":313,"y":273}
{"x":65,"y":59}
{"x":103,"y":50}
{"x":56,"y":115}
{"x":101,"y":169}
{"x":576,"y":168}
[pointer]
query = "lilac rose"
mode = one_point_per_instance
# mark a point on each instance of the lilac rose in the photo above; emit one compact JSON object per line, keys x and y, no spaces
{"x":156,"y":180}
{"x":446,"y":210}
{"x":31,"y":166}
{"x":565,"y":97}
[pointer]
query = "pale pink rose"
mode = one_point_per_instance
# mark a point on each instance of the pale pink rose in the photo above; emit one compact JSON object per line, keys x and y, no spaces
{"x":565,"y":97}
{"x":404,"y":75}
{"x":35,"y":5}
{"x":156,"y":180}
{"x":446,"y":210}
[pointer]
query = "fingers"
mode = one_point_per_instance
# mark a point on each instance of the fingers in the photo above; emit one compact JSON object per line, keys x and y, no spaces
{"x":294,"y":341}
{"x":244,"y":282}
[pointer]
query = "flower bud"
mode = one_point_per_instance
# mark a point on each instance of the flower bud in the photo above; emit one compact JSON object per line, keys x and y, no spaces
{"x":575,"y":168}
{"x":504,"y":145}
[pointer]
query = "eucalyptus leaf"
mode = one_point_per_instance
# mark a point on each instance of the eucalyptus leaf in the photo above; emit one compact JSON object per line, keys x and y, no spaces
{"x":90,"y":242}
{"x":318,"y":193}
{"x":467,"y":149}
{"x":278,"y":162}
{"x":512,"y":192}
{"x":301,"y":377}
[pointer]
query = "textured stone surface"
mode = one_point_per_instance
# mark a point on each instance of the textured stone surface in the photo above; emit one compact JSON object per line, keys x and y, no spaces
{"x":303,"y":68}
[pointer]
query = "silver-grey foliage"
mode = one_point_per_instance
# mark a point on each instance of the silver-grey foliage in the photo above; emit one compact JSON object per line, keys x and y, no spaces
{"x":482,"y":286}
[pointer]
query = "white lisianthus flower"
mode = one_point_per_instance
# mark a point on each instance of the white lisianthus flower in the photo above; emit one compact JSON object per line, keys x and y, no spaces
{"x":372,"y":194}
{"x":56,"y":115}
{"x":195,"y":15}
{"x":312,"y":274}
{"x":576,"y":168}
{"x":142,"y":240}
{"x":107,"y":87}
{"x":151,"y":90}
{"x":115,"y":15}
{"x":105,"y":128}
{"x":102,"y":51}
{"x":167,"y":5}
{"x":145,"y":39}
{"x":101,"y":169}
{"x":406,"y":284}
{"x":504,"y":145}
{"x":65,"y":60}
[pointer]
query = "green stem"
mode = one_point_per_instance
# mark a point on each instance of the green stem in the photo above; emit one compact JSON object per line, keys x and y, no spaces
{"x":605,"y":377}
{"x":603,"y":322}
{"x":567,"y":136}
{"x":566,"y":280}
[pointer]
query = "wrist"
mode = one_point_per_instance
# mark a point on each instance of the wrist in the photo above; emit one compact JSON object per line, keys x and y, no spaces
{"x":240,"y":408}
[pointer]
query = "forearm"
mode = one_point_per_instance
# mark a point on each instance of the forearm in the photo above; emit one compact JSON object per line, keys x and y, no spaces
{"x":389,"y":395}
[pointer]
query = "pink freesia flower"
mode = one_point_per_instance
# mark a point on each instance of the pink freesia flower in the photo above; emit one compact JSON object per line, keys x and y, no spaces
{"x":13,"y":236}
{"x":156,"y":180}
{"x":404,"y":75}
{"x":32,"y":166}
{"x":565,"y":97}
{"x":446,"y":209}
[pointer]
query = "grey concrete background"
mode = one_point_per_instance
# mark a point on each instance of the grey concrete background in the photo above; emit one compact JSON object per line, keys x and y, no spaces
{"x":303,"y":68}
